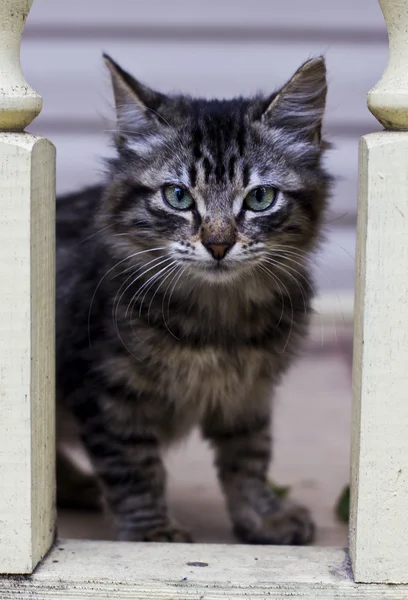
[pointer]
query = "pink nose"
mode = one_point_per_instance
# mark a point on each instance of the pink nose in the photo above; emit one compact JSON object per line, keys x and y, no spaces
{"x":218,"y":251}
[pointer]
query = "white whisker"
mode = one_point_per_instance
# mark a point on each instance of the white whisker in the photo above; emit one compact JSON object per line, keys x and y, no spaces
{"x":147,"y":284}
{"x":102,"y":279}
{"x":175,"y":268}
{"x":168,"y":303}
{"x":278,"y":280}
{"x":92,"y":235}
{"x":277,"y":264}
{"x":117,"y":302}
{"x":286,"y":269}
{"x":293,"y":270}
{"x":132,"y":266}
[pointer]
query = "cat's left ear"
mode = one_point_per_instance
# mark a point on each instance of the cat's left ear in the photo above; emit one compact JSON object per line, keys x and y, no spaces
{"x":135,"y":102}
{"x":299,"y":106}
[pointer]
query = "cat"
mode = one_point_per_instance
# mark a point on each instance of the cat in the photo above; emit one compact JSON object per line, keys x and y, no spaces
{"x":184,"y":290}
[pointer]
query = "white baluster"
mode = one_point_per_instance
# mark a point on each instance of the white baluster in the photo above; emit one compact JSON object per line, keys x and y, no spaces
{"x":19,"y":103}
{"x":27,"y":204}
{"x":388,"y":99}
{"x":379,"y":511}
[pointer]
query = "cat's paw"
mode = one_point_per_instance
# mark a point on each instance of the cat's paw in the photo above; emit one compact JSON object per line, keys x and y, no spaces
{"x":169,"y":533}
{"x":290,"y":524}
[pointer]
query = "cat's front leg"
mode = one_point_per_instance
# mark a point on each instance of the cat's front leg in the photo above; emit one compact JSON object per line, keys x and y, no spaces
{"x":128,"y":464}
{"x":242,"y":447}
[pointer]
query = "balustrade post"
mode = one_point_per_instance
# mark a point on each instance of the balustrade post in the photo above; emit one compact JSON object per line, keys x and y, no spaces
{"x":27,"y":225}
{"x":379,"y":471}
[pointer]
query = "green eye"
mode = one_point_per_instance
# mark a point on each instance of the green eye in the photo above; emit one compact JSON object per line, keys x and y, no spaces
{"x":260,"y":198}
{"x":178,"y":198}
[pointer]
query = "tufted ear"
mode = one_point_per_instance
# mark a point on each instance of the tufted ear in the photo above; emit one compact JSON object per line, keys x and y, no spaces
{"x":135,"y":102}
{"x":299,"y":105}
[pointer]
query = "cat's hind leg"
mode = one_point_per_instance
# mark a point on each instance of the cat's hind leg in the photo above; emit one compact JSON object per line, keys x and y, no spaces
{"x":75,"y":488}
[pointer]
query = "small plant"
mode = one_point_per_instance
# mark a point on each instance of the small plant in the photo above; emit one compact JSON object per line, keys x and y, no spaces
{"x":282,"y":491}
{"x":343,"y":505}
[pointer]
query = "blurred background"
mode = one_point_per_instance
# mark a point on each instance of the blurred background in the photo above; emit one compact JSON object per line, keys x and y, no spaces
{"x":224,"y":48}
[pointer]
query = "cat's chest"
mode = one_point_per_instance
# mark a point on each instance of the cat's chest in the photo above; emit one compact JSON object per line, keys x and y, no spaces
{"x":197,"y":379}
{"x":213,"y":381}
{"x":180,"y":384}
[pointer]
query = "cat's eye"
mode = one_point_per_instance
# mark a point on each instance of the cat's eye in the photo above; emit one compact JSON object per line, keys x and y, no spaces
{"x":178,"y":197}
{"x":261,"y":198}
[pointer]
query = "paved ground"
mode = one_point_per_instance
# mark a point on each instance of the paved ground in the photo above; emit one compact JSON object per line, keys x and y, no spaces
{"x":311,"y":429}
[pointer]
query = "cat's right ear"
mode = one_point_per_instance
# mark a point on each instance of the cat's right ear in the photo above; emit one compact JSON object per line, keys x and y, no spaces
{"x":136,"y":104}
{"x":299,"y":106}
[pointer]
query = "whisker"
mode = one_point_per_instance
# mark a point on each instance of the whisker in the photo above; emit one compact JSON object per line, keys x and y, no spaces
{"x":147,"y":283}
{"x":92,"y":235}
{"x":142,"y":287}
{"x":282,"y":249}
{"x":134,"y":279}
{"x":115,"y":320}
{"x":317,"y":266}
{"x":277,"y":280}
{"x":306,"y":253}
{"x":281,"y":253}
{"x":153,"y":281}
{"x":135,"y":298}
{"x":336,"y":218}
{"x":299,"y":261}
{"x":175,"y":268}
{"x":117,"y":300}
{"x":286,"y":271}
{"x":132,"y":266}
{"x":139,"y":268}
{"x":281,"y":296}
{"x":298,"y":273}
{"x":169,"y":301}
{"x":100,"y":283}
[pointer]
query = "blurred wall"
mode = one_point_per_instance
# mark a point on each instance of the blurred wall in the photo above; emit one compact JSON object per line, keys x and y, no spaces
{"x":211,"y":48}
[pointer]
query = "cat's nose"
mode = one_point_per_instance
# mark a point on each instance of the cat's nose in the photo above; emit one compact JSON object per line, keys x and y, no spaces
{"x":218,"y":251}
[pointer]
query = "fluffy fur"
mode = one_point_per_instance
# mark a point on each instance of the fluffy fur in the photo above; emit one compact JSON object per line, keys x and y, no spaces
{"x":169,"y":318}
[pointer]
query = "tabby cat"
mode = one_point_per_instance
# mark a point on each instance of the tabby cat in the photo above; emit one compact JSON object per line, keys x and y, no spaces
{"x":183,"y":291}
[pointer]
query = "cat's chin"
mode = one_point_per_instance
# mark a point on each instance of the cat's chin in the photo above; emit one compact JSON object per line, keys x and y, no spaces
{"x":218,"y":273}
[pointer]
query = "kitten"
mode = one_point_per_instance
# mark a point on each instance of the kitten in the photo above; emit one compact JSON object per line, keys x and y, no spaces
{"x":183,"y":290}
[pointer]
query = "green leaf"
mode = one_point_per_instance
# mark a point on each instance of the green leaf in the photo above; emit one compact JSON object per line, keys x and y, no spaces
{"x":282,"y":491}
{"x":343,"y":505}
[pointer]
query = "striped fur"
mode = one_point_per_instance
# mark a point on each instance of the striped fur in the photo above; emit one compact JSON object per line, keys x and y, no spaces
{"x":154,"y":334}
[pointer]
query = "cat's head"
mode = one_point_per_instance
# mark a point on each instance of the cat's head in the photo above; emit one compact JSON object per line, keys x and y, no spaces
{"x":219,"y":187}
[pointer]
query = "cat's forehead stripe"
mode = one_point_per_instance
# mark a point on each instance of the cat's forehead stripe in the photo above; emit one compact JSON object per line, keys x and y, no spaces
{"x":193,"y":175}
{"x":241,"y":140}
{"x":207,"y":169}
{"x":231,"y":167}
{"x":245,"y":176}
{"x":197,"y":141}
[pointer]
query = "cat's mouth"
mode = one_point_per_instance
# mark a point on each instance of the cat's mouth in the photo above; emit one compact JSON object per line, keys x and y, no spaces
{"x":219,"y":266}
{"x":218,"y":271}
